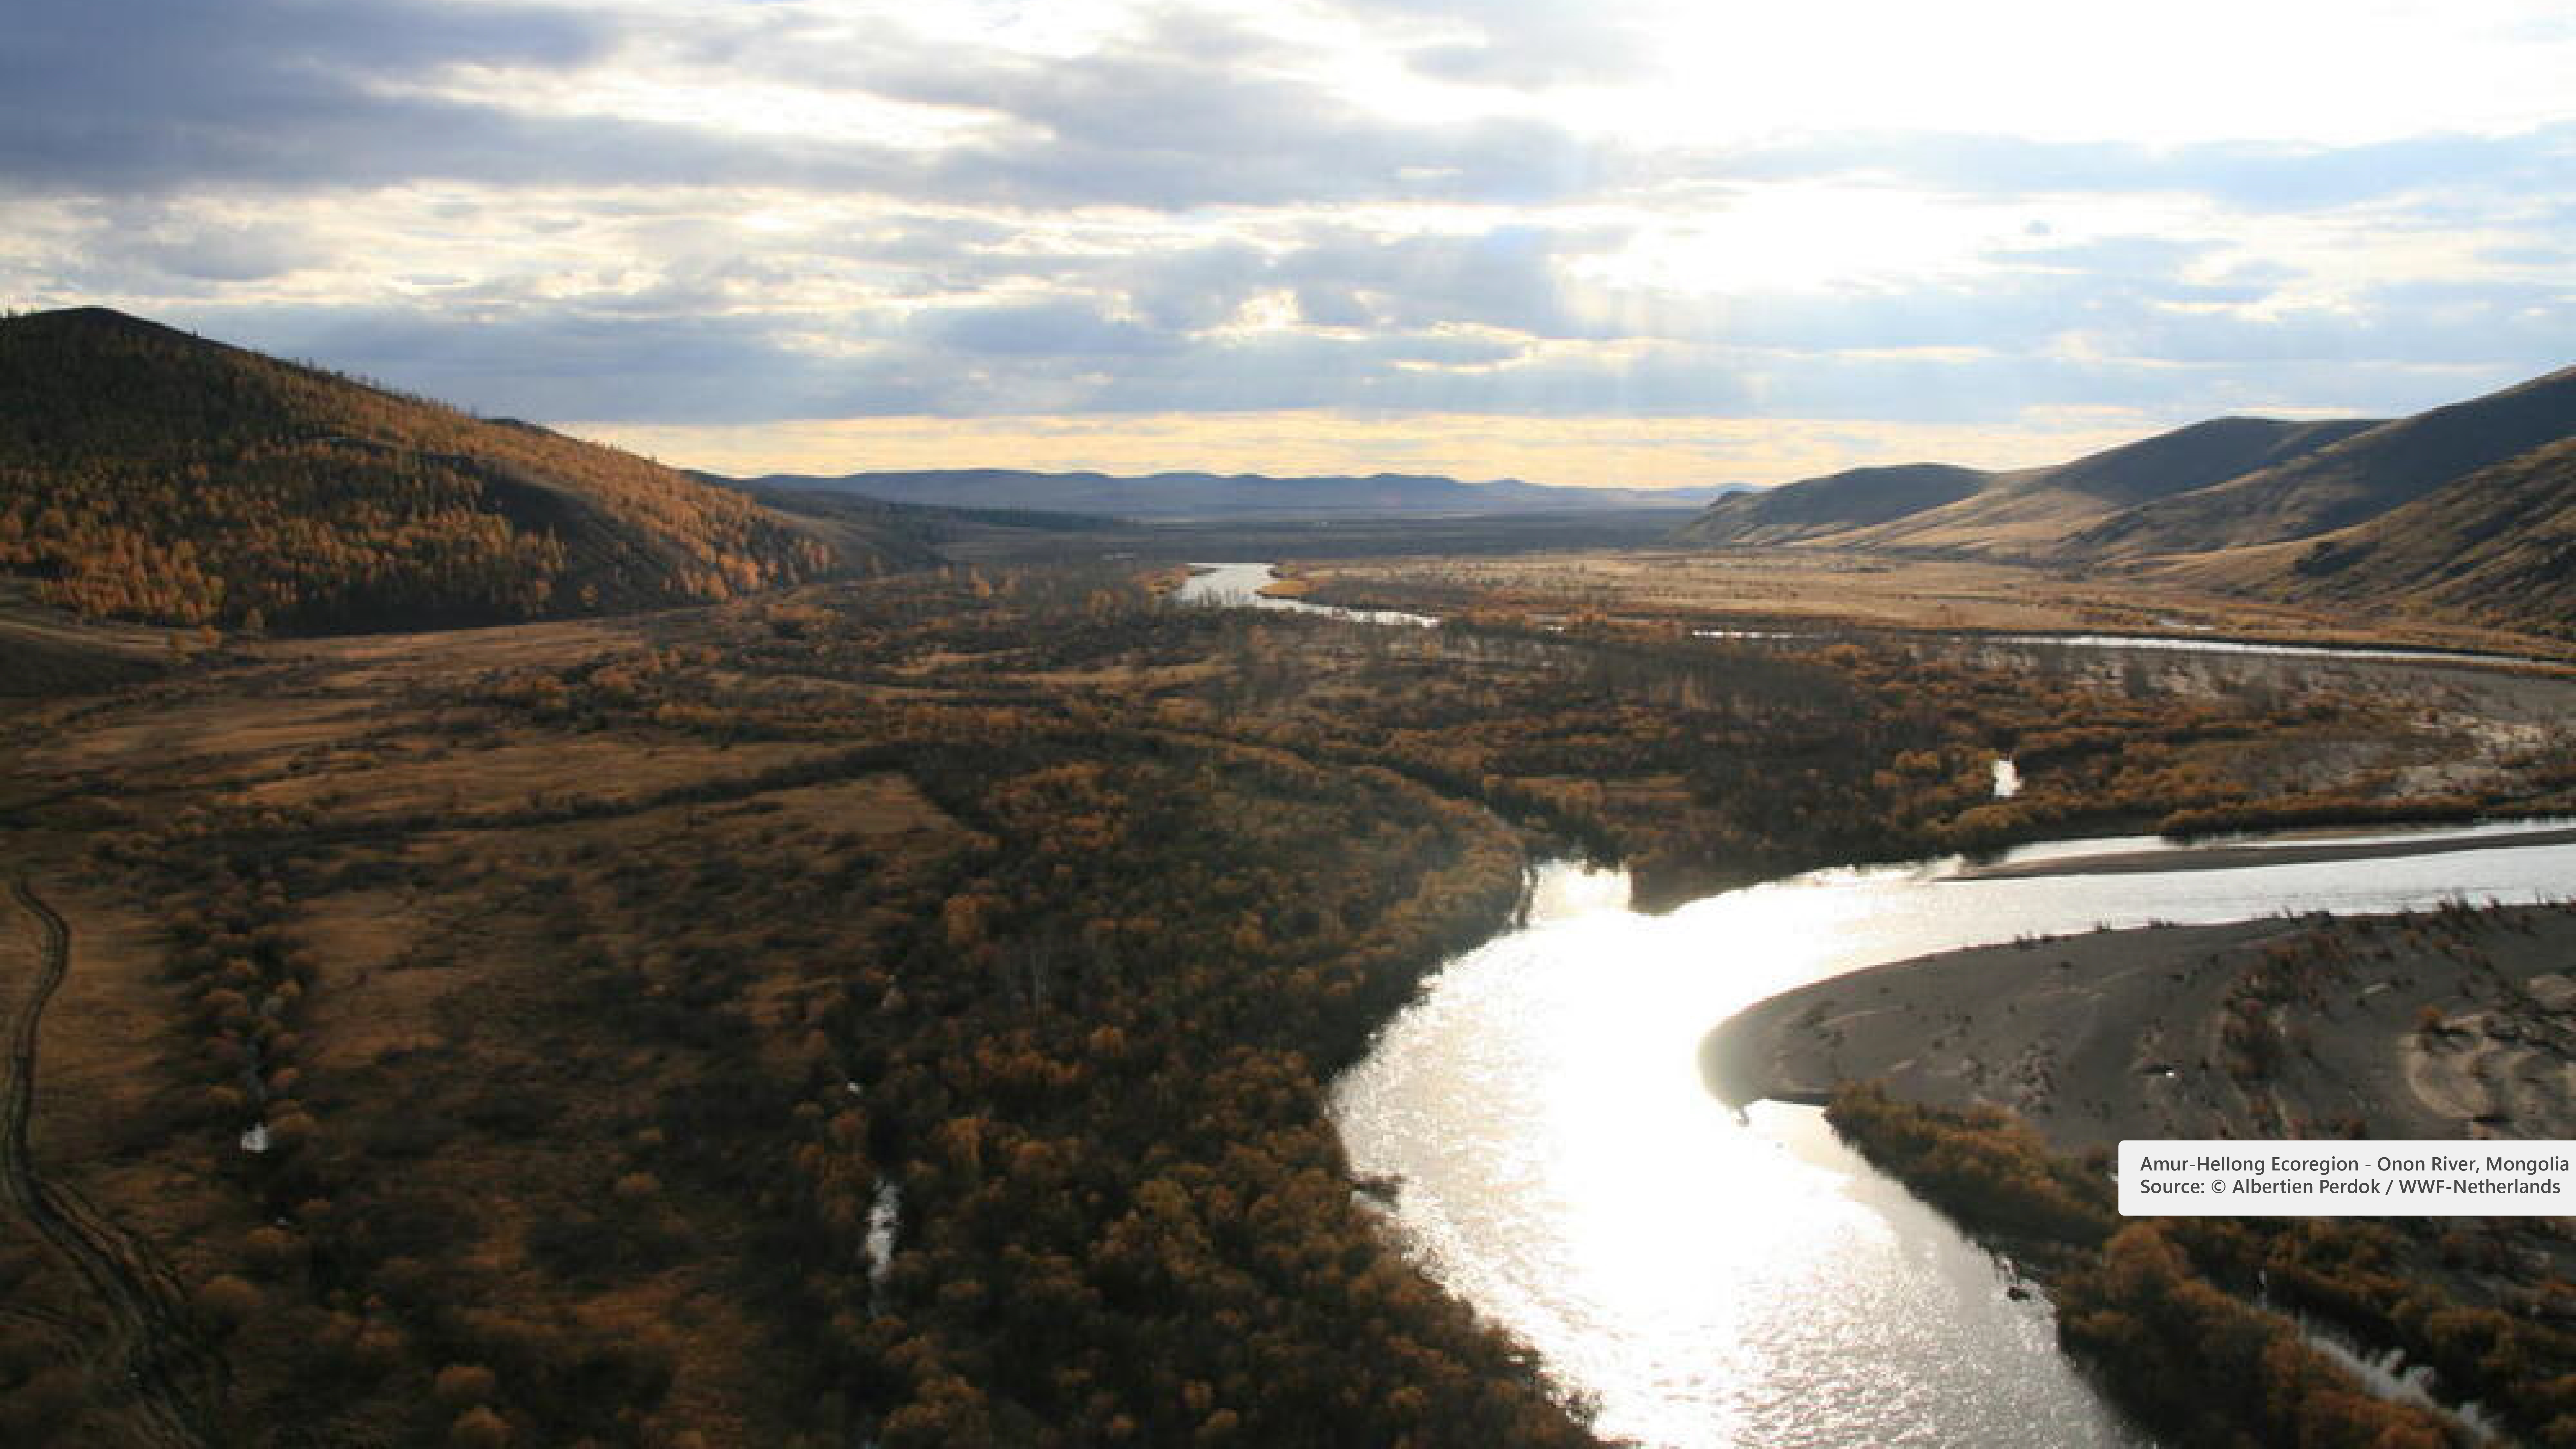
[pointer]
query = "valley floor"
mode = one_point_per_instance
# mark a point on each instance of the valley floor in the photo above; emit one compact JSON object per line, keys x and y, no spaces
{"x":588,"y":983}
{"x":1814,"y":588}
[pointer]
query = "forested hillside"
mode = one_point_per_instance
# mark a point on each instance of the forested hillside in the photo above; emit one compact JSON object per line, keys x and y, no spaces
{"x":146,"y":474}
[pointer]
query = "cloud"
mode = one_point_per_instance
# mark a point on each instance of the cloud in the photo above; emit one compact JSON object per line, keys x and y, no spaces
{"x":1519,"y":44}
{"x":1504,"y":277}
{"x":1058,"y":328}
{"x":1149,"y":123}
{"x":709,"y":212}
{"x":2252,"y":176}
{"x":1474,"y":321}
{"x":539,"y":362}
{"x":141,"y":96}
{"x":1198,"y":288}
{"x":2395,"y":331}
{"x":196,"y":250}
{"x":122,"y":95}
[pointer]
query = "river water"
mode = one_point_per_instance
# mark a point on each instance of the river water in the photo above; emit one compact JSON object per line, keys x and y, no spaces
{"x":1712,"y":1281}
{"x":1240,"y":585}
{"x":1709,"y":1280}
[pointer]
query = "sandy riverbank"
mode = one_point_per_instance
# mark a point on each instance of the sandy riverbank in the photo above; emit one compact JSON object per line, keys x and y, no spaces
{"x":2231,"y":857}
{"x":2265,"y":1028}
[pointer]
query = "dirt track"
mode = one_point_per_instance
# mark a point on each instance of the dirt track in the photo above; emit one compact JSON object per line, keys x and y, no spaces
{"x":175,"y":1381}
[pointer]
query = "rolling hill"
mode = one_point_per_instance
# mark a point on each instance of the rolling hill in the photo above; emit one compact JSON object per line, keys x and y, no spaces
{"x":2028,"y":513}
{"x":2466,"y":511}
{"x":2498,"y":545}
{"x":146,"y":474}
{"x":1206,"y":496}
{"x":1837,"y":503}
{"x":2023,"y":512}
{"x":2356,"y":479}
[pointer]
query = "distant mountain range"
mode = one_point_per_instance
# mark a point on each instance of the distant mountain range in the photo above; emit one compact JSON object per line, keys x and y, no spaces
{"x":1163,"y":497}
{"x":2467,"y":510}
{"x":151,"y":475}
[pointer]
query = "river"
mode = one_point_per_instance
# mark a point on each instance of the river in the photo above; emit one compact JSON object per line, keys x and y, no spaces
{"x":1714,"y":1281}
{"x":1240,"y":584}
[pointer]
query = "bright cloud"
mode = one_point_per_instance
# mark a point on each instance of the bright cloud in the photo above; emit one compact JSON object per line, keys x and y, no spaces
{"x":1580,"y":240}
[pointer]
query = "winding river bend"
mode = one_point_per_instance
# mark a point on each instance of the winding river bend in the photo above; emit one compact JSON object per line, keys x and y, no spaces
{"x":1716,"y":1282}
{"x":1710,"y":1281}
{"x":1239,"y":585}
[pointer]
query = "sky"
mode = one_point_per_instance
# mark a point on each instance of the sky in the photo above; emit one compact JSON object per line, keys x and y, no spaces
{"x":1639,"y":243}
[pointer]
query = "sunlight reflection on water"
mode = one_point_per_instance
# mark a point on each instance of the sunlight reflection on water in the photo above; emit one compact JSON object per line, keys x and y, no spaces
{"x":1239,"y":585}
{"x":1721,"y":1283}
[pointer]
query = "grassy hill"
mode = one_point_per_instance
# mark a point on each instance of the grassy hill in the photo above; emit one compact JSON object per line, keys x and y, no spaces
{"x":1820,"y":508}
{"x":2022,"y":512}
{"x":2355,"y":480}
{"x":146,"y":474}
{"x":2031,"y":513}
{"x":2498,"y":545}
{"x":2465,"y":512}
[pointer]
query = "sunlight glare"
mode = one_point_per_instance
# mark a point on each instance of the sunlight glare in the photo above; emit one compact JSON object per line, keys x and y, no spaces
{"x":2050,"y":71}
{"x":1806,"y":236}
